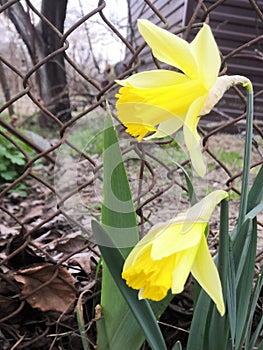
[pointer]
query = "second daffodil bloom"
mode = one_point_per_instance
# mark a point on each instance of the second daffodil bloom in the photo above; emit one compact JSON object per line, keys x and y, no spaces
{"x":163,"y":259}
{"x":162,"y":101}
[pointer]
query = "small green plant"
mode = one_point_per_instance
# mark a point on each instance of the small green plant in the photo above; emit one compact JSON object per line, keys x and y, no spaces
{"x":12,"y":163}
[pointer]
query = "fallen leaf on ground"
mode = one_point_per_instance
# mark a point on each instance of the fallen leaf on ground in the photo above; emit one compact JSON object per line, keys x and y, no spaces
{"x":26,"y":257}
{"x":84,"y":260}
{"x":7,"y":230}
{"x":7,"y":306}
{"x":33,"y":213}
{"x":70,"y":242}
{"x":48,"y":287}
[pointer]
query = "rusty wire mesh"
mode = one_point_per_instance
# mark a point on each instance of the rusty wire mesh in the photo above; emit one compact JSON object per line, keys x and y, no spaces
{"x":156,"y":181}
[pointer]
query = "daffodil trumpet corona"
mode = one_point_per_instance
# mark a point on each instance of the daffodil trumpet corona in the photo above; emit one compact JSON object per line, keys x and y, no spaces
{"x":164,"y":258}
{"x":162,"y":101}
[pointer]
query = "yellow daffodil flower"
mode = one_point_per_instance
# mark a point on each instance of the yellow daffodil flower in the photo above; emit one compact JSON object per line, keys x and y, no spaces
{"x":163,"y":259}
{"x":170,"y":99}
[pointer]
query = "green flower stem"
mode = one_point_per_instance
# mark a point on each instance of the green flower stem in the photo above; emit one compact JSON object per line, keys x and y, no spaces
{"x":247,"y":156}
{"x":223,"y":254}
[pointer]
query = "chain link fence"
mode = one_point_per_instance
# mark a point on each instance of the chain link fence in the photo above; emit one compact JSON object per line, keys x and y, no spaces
{"x":51,"y":162}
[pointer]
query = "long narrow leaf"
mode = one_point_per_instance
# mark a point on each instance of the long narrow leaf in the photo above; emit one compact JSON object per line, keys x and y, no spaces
{"x":241,"y":243}
{"x":200,"y":322}
{"x":177,"y":346}
{"x":117,"y":317}
{"x":223,"y":253}
{"x":244,"y":288}
{"x":238,"y":248}
{"x":253,"y":343}
{"x":231,"y":295}
{"x":255,"y":196}
{"x":255,"y":211}
{"x":252,"y":310}
{"x":118,"y":325}
{"x":260,"y":346}
{"x":118,"y":213}
{"x":190,"y":187}
{"x":140,"y":308}
{"x":218,"y":334}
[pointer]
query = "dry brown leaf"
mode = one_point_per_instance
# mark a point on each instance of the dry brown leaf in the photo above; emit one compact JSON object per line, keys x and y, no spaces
{"x":70,"y":243}
{"x":26,"y":256}
{"x":7,"y":305}
{"x":84,"y":261}
{"x":7,"y":230}
{"x":58,"y":294}
{"x":33,"y":213}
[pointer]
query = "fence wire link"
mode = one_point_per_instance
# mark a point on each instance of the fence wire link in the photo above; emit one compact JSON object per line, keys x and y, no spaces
{"x":154,"y":180}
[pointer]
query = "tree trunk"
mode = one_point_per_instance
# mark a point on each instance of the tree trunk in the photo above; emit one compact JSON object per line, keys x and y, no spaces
{"x":41,"y":40}
{"x":6,"y":89}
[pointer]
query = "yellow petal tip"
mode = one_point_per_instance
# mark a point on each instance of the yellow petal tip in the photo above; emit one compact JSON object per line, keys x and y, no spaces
{"x":138,"y":130}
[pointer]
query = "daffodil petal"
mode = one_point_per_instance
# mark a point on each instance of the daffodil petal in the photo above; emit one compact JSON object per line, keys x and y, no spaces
{"x":172,"y":240}
{"x":139,"y":249}
{"x":202,"y":211}
{"x":198,"y":213}
{"x":166,"y":128}
{"x":183,"y":265}
{"x":169,"y":48}
{"x":221,"y":85}
{"x":139,"y":130}
{"x":153,"y":278}
{"x":153,"y":292}
{"x":148,"y":107}
{"x":206,"y":53}
{"x":134,"y":255}
{"x":205,"y":272}
{"x":176,"y":98}
{"x":191,"y":137}
{"x":135,"y":274}
{"x":159,"y":281}
{"x":154,"y":79}
{"x":141,"y":117}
